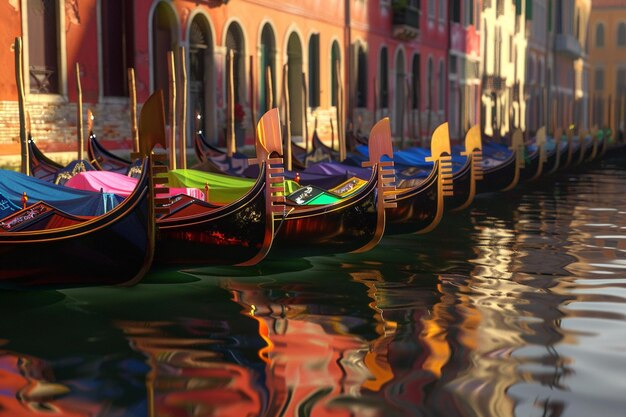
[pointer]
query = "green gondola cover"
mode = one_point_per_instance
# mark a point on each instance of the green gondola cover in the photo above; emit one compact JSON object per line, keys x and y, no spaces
{"x":222,"y":188}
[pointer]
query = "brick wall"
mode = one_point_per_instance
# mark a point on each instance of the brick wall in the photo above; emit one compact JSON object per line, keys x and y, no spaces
{"x":53,"y":125}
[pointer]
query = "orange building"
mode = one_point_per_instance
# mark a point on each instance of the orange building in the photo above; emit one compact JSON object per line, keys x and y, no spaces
{"x":607,"y":51}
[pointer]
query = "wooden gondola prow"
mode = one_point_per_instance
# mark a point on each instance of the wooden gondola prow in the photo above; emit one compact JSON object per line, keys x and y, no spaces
{"x":19,"y":80}
{"x":474,"y":150}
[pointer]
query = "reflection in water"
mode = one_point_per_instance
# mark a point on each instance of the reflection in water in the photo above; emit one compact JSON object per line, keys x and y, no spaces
{"x":515,"y":307}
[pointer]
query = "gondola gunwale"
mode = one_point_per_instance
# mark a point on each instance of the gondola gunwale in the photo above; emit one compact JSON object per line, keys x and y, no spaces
{"x":109,"y":218}
{"x":169,"y":221}
{"x":95,"y":150}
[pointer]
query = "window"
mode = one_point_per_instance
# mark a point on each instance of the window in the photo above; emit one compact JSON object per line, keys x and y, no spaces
{"x":469,"y":12}
{"x":431,"y":9}
{"x":268,"y":68}
{"x":621,"y":35}
{"x":314,"y":71}
{"x":429,"y":83}
{"x":599,"y":35}
{"x":361,"y":93}
{"x":163,"y":41}
{"x":442,"y":10}
{"x":43,"y":46}
{"x":455,"y":13}
{"x":621,"y":81}
{"x":599,"y":79}
{"x":384,"y":78}
{"x":117,"y":46}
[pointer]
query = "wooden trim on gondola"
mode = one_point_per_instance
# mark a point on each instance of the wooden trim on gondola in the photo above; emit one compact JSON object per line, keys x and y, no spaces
{"x":474,"y":154}
{"x":517,"y":146}
{"x":541,"y":149}
{"x":558,"y":137}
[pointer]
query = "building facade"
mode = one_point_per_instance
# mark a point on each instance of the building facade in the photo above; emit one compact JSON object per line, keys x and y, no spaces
{"x":391,"y":57}
{"x":464,"y":66}
{"x":503,"y":66}
{"x":607,"y":57}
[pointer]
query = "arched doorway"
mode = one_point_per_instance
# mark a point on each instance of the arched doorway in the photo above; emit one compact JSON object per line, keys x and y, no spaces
{"x":201,"y":76}
{"x":400,"y":93}
{"x":294,"y":79}
{"x":164,"y":39}
{"x":235,"y":42}
{"x":268,"y":62}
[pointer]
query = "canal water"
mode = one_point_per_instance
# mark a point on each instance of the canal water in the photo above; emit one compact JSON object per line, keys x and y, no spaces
{"x":515,"y":307}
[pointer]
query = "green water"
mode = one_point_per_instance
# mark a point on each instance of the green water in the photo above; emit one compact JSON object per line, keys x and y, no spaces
{"x":515,"y":307}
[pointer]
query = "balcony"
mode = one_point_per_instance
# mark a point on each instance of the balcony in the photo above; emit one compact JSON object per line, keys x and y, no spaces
{"x":406,"y":21}
{"x":493,"y":83}
{"x":568,"y":45}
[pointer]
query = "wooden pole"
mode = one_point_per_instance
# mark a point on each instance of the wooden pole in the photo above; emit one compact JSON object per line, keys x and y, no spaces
{"x":609,"y":111}
{"x":252,"y":71}
{"x":590,"y":110}
{"x":269,"y":90}
{"x":376,"y":98}
{"x":287,"y":117}
{"x":341,"y":126}
{"x":19,"y":80}
{"x":305,"y":115}
{"x":418,"y":106}
{"x":79,"y":116}
{"x":172,"y":82}
{"x":332,"y":134}
{"x":230,"y":106}
{"x":132,"y":93}
{"x":409,"y":106}
{"x":183,"y":109}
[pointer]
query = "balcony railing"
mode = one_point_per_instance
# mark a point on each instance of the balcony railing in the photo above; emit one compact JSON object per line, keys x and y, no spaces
{"x":405,"y":22}
{"x":568,"y":44}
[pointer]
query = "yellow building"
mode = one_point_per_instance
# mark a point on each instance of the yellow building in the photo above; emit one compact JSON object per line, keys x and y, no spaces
{"x":503,"y":68}
{"x":607,"y":52}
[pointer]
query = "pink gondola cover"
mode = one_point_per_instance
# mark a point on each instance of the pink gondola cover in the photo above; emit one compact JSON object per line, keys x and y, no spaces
{"x":112,"y":182}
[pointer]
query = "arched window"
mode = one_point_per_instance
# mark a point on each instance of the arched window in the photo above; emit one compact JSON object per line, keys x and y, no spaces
{"x":384,"y":78}
{"x":235,"y":42}
{"x":334,"y":63}
{"x":294,"y":82}
{"x":43,"y":46}
{"x":164,"y":39}
{"x":267,"y":66}
{"x":399,"y":92}
{"x":442,"y":9}
{"x":201,"y":74}
{"x":441,"y":86}
{"x":599,"y":35}
{"x":599,"y":79}
{"x":361,"y":77}
{"x":314,"y":70}
{"x":621,"y":35}
{"x":116,"y":20}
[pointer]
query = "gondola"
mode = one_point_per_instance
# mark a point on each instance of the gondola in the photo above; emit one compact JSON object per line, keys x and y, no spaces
{"x":536,"y":157}
{"x":419,"y":208}
{"x":355,"y":223}
{"x":191,"y":231}
{"x":502,"y":174}
{"x":46,"y":169}
{"x":42,"y":246}
{"x":466,"y":179}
